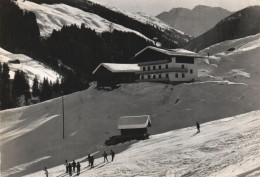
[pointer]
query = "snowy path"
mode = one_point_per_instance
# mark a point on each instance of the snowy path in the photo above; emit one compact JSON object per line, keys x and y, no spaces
{"x":226,"y":147}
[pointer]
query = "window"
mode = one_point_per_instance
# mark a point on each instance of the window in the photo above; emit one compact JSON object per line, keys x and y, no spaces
{"x":160,"y":76}
{"x":142,"y":77}
{"x":154,"y":76}
{"x":149,"y":77}
{"x":176,"y":75}
{"x":143,"y":68}
{"x":182,"y":66}
{"x":167,"y":75}
{"x":160,"y":67}
{"x":154,"y":67}
{"x":183,"y":75}
{"x":191,"y":71}
{"x":148,"y":68}
{"x":166,"y":66}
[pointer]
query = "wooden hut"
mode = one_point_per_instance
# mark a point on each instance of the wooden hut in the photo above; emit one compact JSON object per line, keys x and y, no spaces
{"x":109,"y":74}
{"x":134,"y":125}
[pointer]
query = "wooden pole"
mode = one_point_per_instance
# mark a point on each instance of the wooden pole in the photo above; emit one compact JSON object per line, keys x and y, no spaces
{"x":63,"y":114}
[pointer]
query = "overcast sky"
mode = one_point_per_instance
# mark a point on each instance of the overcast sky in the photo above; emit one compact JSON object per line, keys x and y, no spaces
{"x":154,"y":7}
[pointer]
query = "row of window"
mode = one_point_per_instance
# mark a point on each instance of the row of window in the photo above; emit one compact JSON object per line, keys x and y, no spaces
{"x":160,"y":76}
{"x":149,"y":68}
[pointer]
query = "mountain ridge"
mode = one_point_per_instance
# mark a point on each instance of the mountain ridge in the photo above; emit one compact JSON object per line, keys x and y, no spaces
{"x":238,"y":25}
{"x":195,"y":21}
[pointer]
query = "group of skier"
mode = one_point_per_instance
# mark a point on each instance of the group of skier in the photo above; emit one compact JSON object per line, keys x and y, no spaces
{"x":73,"y":165}
{"x":112,"y":156}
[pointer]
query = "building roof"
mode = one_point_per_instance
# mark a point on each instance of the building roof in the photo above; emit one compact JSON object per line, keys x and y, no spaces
{"x":171,"y":52}
{"x":133,"y":122}
{"x":118,"y":68}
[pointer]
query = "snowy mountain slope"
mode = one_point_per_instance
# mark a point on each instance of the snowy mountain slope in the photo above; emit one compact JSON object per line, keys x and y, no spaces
{"x":31,"y":67}
{"x":234,"y":59}
{"x":227,"y":147}
{"x":239,"y":45}
{"x":54,"y":17}
{"x":142,"y":17}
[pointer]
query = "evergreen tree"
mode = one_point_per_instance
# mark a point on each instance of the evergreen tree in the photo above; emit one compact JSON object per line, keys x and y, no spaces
{"x":0,"y":68}
{"x":35,"y":87}
{"x":20,"y":88}
{"x":46,"y":91}
{"x":5,"y":73}
{"x":5,"y":95}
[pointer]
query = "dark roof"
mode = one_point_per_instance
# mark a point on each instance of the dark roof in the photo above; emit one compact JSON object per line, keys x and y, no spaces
{"x":133,"y":122}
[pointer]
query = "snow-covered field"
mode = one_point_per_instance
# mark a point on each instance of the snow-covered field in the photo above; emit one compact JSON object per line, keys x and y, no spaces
{"x":31,"y":67}
{"x":54,"y":17}
{"x":227,"y":147}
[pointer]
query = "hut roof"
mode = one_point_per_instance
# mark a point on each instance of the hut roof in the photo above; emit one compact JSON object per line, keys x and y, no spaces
{"x":171,"y":52}
{"x":133,"y":122}
{"x":118,"y":68}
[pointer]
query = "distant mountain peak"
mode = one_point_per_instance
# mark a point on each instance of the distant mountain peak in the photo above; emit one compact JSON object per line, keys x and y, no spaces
{"x":196,"y":21}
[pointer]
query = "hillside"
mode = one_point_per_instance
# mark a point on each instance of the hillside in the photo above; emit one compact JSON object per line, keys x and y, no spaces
{"x":196,"y":21}
{"x":228,"y":147}
{"x":240,"y":24}
{"x":54,"y":17}
{"x":31,"y":67}
{"x":148,"y":26}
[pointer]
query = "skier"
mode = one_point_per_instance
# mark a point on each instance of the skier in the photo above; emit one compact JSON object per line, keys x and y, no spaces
{"x":105,"y":156}
{"x":70,"y":169}
{"x":46,"y":172}
{"x":198,"y":126}
{"x":92,"y":161}
{"x":66,"y":166}
{"x":74,"y":165}
{"x":78,"y":168}
{"x":89,"y":160}
{"x":112,"y":155}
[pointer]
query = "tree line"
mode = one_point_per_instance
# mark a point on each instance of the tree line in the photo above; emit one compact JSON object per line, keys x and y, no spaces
{"x":17,"y":92}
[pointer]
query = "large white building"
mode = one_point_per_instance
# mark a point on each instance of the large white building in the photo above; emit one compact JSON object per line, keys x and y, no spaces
{"x":170,"y":66}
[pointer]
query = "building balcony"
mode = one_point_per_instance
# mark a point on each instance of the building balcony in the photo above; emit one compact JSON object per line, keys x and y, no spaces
{"x":179,"y":70}
{"x":154,"y":63}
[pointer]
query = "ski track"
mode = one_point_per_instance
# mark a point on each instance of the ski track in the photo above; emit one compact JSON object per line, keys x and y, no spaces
{"x":227,"y":147}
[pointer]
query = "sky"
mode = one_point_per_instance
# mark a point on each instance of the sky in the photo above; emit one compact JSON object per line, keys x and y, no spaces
{"x":155,"y":7}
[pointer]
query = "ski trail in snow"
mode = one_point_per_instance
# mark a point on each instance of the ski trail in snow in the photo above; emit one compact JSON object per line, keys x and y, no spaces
{"x":6,"y":137}
{"x":22,"y":167}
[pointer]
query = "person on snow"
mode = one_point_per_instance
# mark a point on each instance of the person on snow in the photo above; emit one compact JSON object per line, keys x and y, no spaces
{"x":46,"y":172}
{"x":89,"y":160}
{"x":112,"y":155}
{"x":66,"y":166}
{"x":92,"y":161}
{"x":70,"y":169}
{"x":74,"y":165}
{"x":78,"y":168}
{"x":198,"y":126}
{"x":105,"y":156}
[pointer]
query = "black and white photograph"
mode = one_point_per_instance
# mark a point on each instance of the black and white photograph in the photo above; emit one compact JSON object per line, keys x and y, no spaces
{"x":130,"y":88}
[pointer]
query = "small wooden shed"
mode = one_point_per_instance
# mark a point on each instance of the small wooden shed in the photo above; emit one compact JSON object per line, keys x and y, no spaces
{"x":134,"y":125}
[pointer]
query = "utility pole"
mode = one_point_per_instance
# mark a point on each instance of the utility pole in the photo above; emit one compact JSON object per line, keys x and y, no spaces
{"x":62,"y":113}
